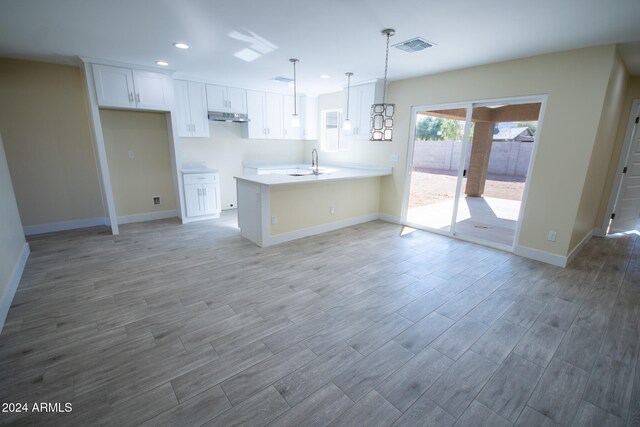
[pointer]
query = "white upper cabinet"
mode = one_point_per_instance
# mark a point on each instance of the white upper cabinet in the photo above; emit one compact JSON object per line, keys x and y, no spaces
{"x":226,"y":99}
{"x":191,"y":109}
{"x":265,"y":115}
{"x":361,"y":97}
{"x":114,"y":86}
{"x":119,"y":87}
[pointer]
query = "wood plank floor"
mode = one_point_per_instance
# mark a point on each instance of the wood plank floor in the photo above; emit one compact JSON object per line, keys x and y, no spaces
{"x":188,"y":325}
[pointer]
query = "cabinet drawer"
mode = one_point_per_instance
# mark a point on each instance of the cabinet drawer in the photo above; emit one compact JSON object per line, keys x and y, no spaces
{"x":200,"y":178}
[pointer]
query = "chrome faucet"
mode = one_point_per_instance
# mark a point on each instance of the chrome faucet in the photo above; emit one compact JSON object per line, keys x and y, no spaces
{"x":314,"y":162}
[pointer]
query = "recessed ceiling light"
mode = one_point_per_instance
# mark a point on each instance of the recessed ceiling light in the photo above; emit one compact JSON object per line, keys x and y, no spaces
{"x":181,"y":45}
{"x":163,"y":63}
{"x":324,"y":76}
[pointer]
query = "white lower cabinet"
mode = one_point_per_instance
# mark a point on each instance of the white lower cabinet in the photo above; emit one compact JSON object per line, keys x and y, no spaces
{"x":201,"y":194}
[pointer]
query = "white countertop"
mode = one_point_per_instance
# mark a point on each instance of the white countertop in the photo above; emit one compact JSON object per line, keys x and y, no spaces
{"x":339,"y":173}
{"x":199,"y":170}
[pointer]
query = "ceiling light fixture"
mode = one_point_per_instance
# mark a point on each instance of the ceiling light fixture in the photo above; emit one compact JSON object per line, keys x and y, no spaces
{"x":295,"y":118}
{"x":181,"y":45}
{"x":163,"y":63}
{"x":346,"y":125}
{"x":324,"y":76}
{"x":382,"y":114}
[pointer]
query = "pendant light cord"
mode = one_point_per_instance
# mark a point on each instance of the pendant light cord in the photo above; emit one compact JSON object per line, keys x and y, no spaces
{"x":386,"y":63}
{"x":348,"y":90}
{"x":295,"y":101}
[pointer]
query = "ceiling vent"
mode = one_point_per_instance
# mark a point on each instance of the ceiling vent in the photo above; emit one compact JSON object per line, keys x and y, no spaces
{"x":282,"y":79}
{"x":414,"y":45}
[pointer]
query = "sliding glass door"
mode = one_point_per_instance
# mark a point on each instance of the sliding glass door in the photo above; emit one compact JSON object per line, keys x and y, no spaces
{"x":469,"y":165}
{"x":434,"y":181}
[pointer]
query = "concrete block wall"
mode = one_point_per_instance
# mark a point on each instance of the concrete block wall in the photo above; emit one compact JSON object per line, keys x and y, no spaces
{"x":507,"y":158}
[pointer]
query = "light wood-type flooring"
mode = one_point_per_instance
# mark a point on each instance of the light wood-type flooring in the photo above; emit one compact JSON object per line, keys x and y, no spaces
{"x":189,"y":325}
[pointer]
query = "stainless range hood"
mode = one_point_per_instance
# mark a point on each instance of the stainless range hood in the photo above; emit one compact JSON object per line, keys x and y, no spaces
{"x":220,"y":116}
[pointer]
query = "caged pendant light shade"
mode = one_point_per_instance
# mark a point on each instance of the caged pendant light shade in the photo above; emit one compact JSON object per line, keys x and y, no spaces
{"x":382,"y":114}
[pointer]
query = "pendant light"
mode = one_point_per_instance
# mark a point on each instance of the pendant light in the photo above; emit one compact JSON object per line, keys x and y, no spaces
{"x":295,"y":118}
{"x":382,"y":114}
{"x":346,"y":124}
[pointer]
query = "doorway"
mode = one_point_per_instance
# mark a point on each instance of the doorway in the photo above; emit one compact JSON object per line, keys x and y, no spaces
{"x":624,"y":206}
{"x":468,"y":168}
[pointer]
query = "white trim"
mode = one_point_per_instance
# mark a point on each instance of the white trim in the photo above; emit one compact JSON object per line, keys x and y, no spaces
{"x":390,"y":218}
{"x":149,"y":216}
{"x":100,"y":150}
{"x":186,"y":219}
{"x":318,"y":229}
{"x":64,"y":225}
{"x":616,"y":188}
{"x":538,"y":255}
{"x":88,"y":60}
{"x":12,"y":285}
{"x":587,"y":237}
{"x":534,"y":152}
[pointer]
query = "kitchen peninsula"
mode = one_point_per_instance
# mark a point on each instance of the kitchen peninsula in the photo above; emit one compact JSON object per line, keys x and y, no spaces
{"x":282,"y":202}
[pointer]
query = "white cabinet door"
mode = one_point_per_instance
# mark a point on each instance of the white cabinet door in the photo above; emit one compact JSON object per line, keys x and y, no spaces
{"x":183,"y":113}
{"x":309,"y":117}
{"x":152,"y":90}
{"x":114,"y":86}
{"x":236,"y":100}
{"x":210,"y":197}
{"x":193,"y":199}
{"x":198,"y":109}
{"x":289,"y":132}
{"x":255,"y":105}
{"x":366,"y":98}
{"x":273,"y":115}
{"x":217,"y":98}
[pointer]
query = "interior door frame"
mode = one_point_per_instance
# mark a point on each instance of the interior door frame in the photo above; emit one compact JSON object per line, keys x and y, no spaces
{"x":528,"y":99}
{"x":616,"y":188}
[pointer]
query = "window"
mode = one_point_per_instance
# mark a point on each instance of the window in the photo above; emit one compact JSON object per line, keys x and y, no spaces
{"x":330,"y":132}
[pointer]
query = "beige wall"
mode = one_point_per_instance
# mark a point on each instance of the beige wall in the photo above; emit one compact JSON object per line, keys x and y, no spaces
{"x":575,"y":83}
{"x":632,"y":92}
{"x":300,"y":206}
{"x":593,"y":188}
{"x":11,"y":236}
{"x":135,"y":181}
{"x":225,"y":150}
{"x":45,"y":126}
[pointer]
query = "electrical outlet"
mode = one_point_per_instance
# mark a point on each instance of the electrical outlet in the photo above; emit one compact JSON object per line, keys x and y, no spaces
{"x":394,"y":157}
{"x":156,"y":200}
{"x":274,"y":220}
{"x":332,"y":210}
{"x":552,"y":236}
{"x":131,"y":154}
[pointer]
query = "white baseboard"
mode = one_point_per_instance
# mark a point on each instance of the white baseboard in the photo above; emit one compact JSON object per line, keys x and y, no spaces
{"x":62,"y":226}
{"x":389,"y":218}
{"x":12,"y":286}
{"x":149,"y":216}
{"x":580,"y":245}
{"x":312,"y":231}
{"x":538,"y":255}
{"x":186,"y":219}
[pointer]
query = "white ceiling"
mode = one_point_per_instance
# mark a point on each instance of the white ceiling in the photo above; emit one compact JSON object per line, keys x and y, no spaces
{"x":331,"y":36}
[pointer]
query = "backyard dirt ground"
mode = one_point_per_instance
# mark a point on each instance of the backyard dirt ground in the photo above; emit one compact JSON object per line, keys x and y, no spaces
{"x":430,"y":186}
